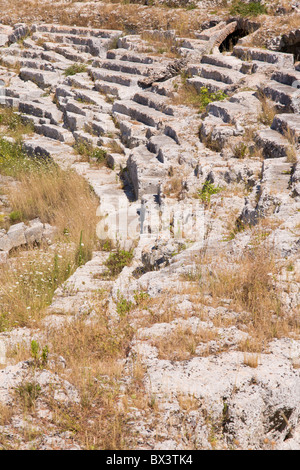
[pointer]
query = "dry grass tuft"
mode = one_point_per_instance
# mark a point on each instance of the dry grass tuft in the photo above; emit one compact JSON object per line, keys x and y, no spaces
{"x":13,"y":124}
{"x":268,"y":111}
{"x":251,"y":286}
{"x":64,"y":200}
{"x":120,"y":15}
{"x":187,"y":95}
{"x":28,"y":283}
{"x":251,"y":360}
{"x":60,"y":198}
{"x":291,"y":154}
{"x":182,"y":342}
{"x":94,"y":354}
{"x":188,"y":402}
{"x":6,"y":413}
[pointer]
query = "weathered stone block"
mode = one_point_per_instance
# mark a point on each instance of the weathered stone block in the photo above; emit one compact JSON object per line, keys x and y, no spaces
{"x":16,"y":235}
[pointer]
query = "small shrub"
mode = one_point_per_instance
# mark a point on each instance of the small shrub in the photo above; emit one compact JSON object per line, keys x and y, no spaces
{"x":40,"y":358}
{"x":268,"y":112}
{"x":240,"y":150}
{"x":117,"y":261}
{"x":239,"y":7}
{"x":28,"y":289}
{"x":28,"y":393}
{"x":181,"y":343}
{"x":141,"y":298}
{"x":106,"y":245}
{"x":99,"y":155}
{"x":115,"y":147}
{"x":207,"y":97}
{"x":189,"y":96}
{"x":123,"y":306}
{"x":74,"y":69}
{"x":15,"y":162}
{"x":207,"y":191}
{"x":14,"y":123}
{"x":15,"y":216}
{"x":59,"y":198}
{"x":113,"y":43}
{"x":89,"y":152}
{"x":251,"y":284}
{"x":251,"y":360}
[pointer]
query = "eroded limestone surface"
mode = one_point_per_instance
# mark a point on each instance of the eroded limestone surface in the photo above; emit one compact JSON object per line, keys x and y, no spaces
{"x":126,"y":100}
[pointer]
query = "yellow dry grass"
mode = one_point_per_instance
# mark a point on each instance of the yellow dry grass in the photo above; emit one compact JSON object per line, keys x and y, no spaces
{"x":61,"y":198}
{"x":94,"y":355}
{"x":181,"y":343}
{"x":64,"y":200}
{"x":120,"y":15}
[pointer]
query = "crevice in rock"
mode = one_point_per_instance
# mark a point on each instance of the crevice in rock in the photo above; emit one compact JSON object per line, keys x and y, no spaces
{"x":292,"y":49}
{"x":232,"y":39}
{"x":244,"y":28}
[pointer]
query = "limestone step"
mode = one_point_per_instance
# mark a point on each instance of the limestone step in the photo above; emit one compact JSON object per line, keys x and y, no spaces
{"x":79,"y":288}
{"x":36,"y":64}
{"x":228,"y":111}
{"x":33,"y":120}
{"x":114,"y":89}
{"x":287,"y":123}
{"x":63,"y":92}
{"x":285,"y":95}
{"x":90,"y":45}
{"x":61,"y":153}
{"x":157,"y":142}
{"x":133,"y":133}
{"x":131,"y":56}
{"x":140,"y":113}
{"x":206,"y":34}
{"x":287,"y":77}
{"x":165,"y":148}
{"x":76,"y":30}
{"x":276,"y":176}
{"x":219,"y":74}
{"x":120,"y":78}
{"x":274,"y":144}
{"x":35,"y":53}
{"x":54,"y":132}
{"x":103,"y":126}
{"x":145,"y":172}
{"x":155,"y":101}
{"x":74,"y":121}
{"x":127,"y":67}
{"x":221,"y":60}
{"x":16,"y":61}
{"x":52,"y":56}
{"x":263,"y":55}
{"x":26,"y":91}
{"x":10,"y":102}
{"x":41,"y":110}
{"x":69,"y":52}
{"x":80,"y":80}
{"x":212,"y":86}
{"x":43,"y":79}
{"x":35,"y":57}
{"x":194,"y":44}
{"x":165,"y":88}
{"x":43,"y":65}
{"x":92,"y":97}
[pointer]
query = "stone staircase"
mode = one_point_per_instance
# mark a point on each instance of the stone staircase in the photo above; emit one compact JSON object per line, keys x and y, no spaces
{"x":229,"y":118}
{"x":216,"y":72}
{"x":108,"y":102}
{"x":284,"y":132}
{"x":104,"y":105}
